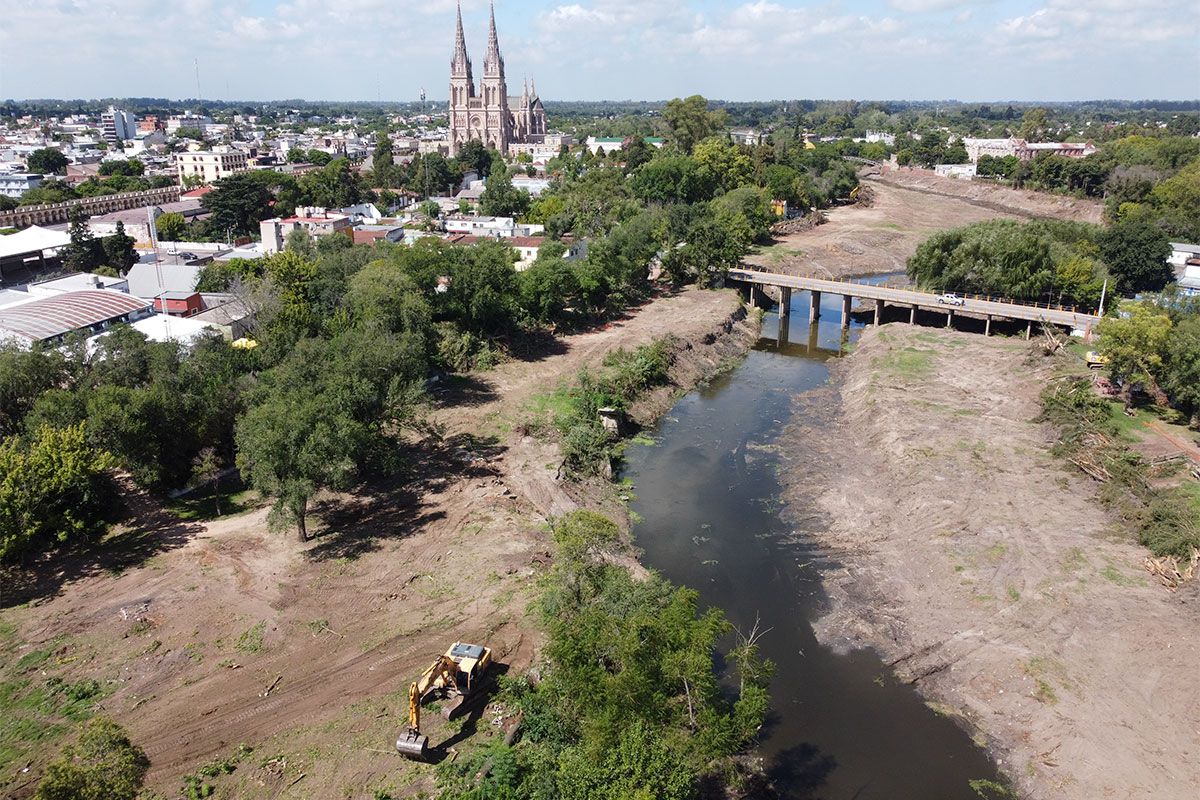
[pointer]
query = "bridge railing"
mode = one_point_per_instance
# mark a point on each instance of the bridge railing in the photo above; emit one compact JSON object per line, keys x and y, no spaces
{"x":917,"y":290}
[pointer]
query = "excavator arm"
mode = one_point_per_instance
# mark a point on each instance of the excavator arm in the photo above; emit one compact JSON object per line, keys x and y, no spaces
{"x":412,"y":742}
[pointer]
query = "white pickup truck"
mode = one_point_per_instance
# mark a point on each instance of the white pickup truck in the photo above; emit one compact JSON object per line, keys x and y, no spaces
{"x":951,"y":299}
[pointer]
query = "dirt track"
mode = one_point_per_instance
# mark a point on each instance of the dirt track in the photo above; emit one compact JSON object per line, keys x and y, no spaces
{"x":989,"y":574}
{"x":395,"y":574}
{"x":908,"y":206}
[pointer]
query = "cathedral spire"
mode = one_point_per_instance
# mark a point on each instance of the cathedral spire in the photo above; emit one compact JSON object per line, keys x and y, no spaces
{"x":460,"y":64}
{"x":493,"y":63}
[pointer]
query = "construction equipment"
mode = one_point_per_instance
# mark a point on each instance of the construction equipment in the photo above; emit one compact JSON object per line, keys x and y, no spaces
{"x":454,"y":676}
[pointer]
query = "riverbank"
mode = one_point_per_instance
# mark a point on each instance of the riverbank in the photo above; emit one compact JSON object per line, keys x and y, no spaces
{"x":987,"y":573}
{"x":907,"y":206}
{"x":219,"y":633}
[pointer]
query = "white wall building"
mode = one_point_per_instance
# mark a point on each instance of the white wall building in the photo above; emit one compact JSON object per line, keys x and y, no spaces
{"x":210,"y":166}
{"x":117,"y":126}
{"x":16,"y":184}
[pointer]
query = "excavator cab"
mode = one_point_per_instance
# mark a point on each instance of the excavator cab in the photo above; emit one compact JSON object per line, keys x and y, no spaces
{"x":455,"y":675}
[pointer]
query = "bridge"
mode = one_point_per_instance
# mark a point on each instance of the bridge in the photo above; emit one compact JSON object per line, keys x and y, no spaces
{"x":985,"y":308}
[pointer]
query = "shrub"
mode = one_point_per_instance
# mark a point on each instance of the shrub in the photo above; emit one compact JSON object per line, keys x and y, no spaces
{"x":104,"y":765}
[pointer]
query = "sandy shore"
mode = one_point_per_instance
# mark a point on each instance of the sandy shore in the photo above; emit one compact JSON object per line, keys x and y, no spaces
{"x":990,"y":576}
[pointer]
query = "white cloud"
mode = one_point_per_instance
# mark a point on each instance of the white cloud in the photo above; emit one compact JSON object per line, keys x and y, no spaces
{"x":605,"y":48}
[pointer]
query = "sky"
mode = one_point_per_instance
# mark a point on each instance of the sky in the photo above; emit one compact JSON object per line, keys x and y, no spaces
{"x":971,"y":50}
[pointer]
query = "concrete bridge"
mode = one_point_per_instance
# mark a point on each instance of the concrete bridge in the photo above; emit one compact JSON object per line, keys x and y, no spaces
{"x":985,"y":308}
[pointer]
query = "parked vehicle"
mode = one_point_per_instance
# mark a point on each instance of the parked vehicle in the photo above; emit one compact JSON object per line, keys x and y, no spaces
{"x":951,"y":299}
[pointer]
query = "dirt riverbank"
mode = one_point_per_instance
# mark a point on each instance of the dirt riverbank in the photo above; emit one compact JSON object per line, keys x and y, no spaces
{"x":986,"y":571}
{"x":207,"y":635}
{"x":908,"y":206}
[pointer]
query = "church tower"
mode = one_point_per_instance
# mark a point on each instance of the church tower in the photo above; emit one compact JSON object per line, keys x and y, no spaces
{"x":495,"y":93}
{"x":462,"y":88}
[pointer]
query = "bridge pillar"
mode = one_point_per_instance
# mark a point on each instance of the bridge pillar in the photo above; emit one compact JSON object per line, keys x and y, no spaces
{"x":1028,"y":330}
{"x":912,"y":314}
{"x":846,"y":300}
{"x":785,"y":302}
{"x":987,"y":326}
{"x":755,"y":295}
{"x":949,"y":319}
{"x":814,"y":306}
{"x":878,"y":312}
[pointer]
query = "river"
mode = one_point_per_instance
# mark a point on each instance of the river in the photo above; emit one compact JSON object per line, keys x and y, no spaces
{"x":708,"y":505}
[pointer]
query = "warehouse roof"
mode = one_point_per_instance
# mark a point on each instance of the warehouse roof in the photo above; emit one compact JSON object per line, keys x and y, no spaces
{"x":49,"y":317}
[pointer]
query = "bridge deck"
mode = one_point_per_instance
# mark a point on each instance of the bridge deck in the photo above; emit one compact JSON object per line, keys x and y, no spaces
{"x":1055,"y":315}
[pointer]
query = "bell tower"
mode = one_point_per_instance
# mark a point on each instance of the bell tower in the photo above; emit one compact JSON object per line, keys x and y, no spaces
{"x":495,"y":92}
{"x":462,"y":88}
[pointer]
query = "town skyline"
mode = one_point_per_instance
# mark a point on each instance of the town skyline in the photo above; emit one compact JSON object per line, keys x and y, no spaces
{"x":1011,"y":51}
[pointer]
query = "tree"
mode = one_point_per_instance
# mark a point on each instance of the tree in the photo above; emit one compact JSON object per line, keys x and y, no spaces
{"x":1134,"y":344}
{"x":190,"y":132}
{"x":500,"y":199}
{"x":721,"y":164}
{"x":170,"y":226}
{"x":319,"y":157}
{"x":83,"y":254}
{"x":297,"y":155}
{"x":52,"y":191}
{"x":206,"y":469}
{"x":52,"y":489}
{"x":636,"y":153}
{"x":383,"y":165}
{"x":118,"y":249}
{"x":1033,"y":125}
{"x":47,"y":161}
{"x":104,"y":765}
{"x":1136,"y":253}
{"x":336,"y":185}
{"x":689,"y":121}
{"x":432,"y":175}
{"x":239,"y":202}
{"x":129,"y":167}
{"x":475,"y":157}
{"x":1181,"y":366}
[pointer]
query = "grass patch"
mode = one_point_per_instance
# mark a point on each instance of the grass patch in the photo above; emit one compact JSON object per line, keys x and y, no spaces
{"x":252,"y":640}
{"x":909,"y":363}
{"x":202,"y":506}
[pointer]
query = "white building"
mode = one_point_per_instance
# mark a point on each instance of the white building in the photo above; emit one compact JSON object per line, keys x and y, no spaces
{"x":16,"y":184}
{"x":210,"y":166}
{"x":1181,"y":252}
{"x":117,"y":126}
{"x":1012,"y":146}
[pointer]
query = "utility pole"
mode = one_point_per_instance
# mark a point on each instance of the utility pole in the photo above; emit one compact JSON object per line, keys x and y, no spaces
{"x":196,"y":61}
{"x":1103,"y":292}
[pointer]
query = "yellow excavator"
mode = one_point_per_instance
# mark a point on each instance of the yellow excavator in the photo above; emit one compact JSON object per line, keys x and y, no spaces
{"x":455,"y":675}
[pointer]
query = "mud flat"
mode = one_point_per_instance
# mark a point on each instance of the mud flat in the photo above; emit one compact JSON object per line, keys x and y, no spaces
{"x":988,"y":574}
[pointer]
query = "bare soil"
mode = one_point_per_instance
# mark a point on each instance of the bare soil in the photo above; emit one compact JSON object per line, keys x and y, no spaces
{"x":224,"y":632}
{"x":985,"y":570}
{"x":908,"y":206}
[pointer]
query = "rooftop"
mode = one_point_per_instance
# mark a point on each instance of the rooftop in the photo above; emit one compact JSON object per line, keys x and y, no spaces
{"x":55,"y":315}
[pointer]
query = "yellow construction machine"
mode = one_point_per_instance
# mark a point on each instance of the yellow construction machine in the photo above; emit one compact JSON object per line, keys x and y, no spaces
{"x":454,"y":675}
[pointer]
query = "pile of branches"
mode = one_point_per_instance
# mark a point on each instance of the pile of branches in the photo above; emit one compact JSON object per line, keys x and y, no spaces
{"x":805,"y":223}
{"x":1089,"y":438}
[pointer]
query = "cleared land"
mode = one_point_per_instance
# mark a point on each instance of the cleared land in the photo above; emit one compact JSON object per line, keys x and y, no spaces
{"x":986,"y":570}
{"x":908,"y":206}
{"x":205,"y":635}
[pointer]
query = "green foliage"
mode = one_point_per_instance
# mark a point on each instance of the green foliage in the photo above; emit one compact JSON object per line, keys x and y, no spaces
{"x":689,"y":121}
{"x":47,"y":161}
{"x":1136,"y":254}
{"x":103,"y":765}
{"x":52,"y":490}
{"x":1163,"y":519}
{"x":1042,"y":260}
{"x":629,"y":704}
{"x":170,"y":226}
{"x":500,"y":199}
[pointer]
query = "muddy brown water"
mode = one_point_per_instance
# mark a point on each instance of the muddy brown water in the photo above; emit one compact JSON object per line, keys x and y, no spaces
{"x":708,"y":499}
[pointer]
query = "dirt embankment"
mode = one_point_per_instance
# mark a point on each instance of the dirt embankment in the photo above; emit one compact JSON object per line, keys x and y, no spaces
{"x":989,"y":575}
{"x":225,"y":632}
{"x":908,"y":206}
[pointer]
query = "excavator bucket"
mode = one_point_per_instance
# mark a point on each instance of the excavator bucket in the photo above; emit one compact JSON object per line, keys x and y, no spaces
{"x":413,"y":744}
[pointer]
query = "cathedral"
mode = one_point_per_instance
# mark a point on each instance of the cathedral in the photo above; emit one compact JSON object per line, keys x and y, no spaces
{"x":490,"y":116}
